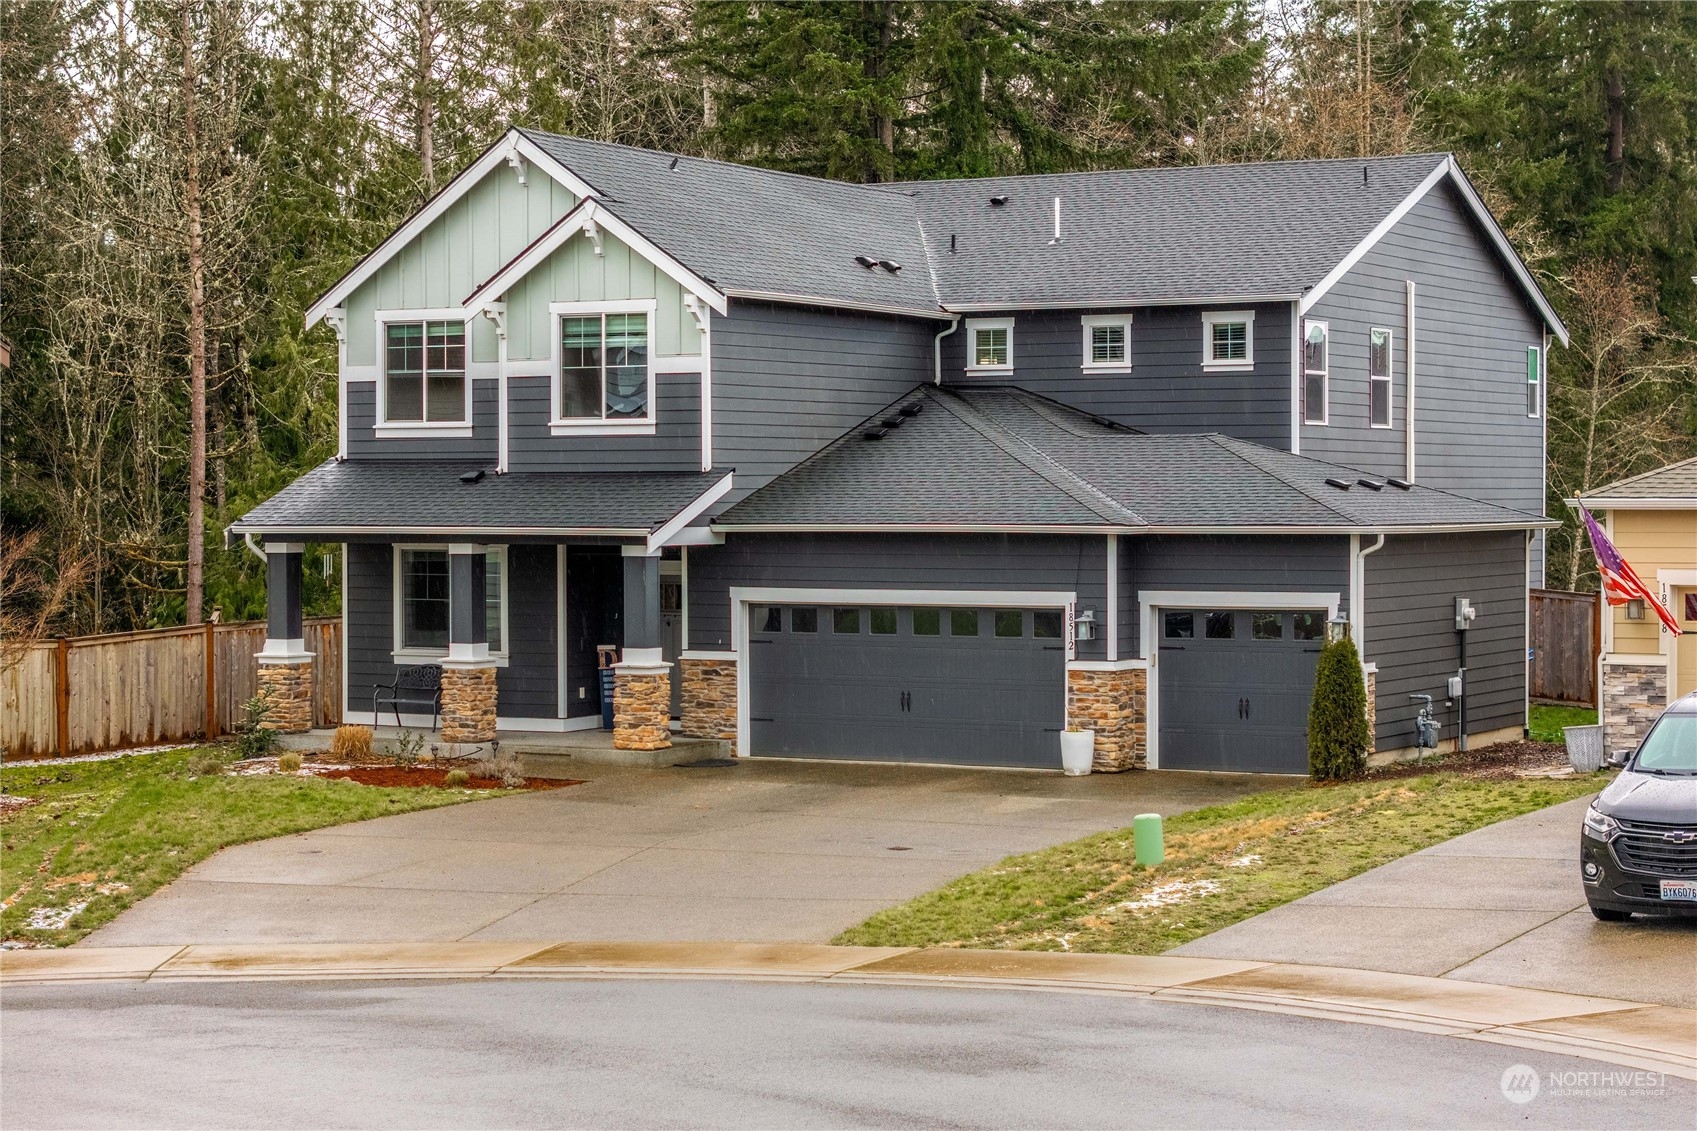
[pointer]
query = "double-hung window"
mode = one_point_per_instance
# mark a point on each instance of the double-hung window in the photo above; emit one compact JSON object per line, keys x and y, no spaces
{"x":1315,"y":362}
{"x":1534,"y":380}
{"x":424,"y":372}
{"x":1228,"y":339}
{"x":989,"y":345}
{"x":1107,"y":343}
{"x":1379,"y":377}
{"x":605,"y":377}
{"x":422,"y":601}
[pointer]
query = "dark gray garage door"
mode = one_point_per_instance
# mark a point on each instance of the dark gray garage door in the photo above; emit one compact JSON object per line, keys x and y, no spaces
{"x":1234,"y":688}
{"x":980,"y":687}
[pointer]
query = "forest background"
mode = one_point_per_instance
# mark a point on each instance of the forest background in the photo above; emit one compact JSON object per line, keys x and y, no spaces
{"x":179,"y":179}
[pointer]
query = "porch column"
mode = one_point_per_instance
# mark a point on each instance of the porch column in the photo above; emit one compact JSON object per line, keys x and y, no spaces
{"x":285,"y":666}
{"x":468,"y":674}
{"x":642,"y":684}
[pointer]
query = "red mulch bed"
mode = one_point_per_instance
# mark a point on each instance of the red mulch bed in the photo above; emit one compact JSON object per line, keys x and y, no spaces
{"x":428,"y":776}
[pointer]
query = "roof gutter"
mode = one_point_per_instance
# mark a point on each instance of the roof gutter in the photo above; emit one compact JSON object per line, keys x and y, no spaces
{"x":1106,"y":528}
{"x":937,"y":351}
{"x":1605,"y":503}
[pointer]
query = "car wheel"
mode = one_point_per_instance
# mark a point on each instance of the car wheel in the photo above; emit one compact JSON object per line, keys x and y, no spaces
{"x":1610,"y":915}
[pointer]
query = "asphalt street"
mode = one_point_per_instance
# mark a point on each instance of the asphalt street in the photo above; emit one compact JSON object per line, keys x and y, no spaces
{"x":651,"y":1053}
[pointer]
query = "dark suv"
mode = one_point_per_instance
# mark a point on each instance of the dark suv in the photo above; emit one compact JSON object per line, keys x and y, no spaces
{"x":1638,"y":851}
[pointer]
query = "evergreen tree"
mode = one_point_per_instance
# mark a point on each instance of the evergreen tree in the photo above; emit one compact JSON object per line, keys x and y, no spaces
{"x":1337,"y":715}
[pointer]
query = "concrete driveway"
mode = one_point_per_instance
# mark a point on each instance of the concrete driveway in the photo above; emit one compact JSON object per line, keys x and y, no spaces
{"x":764,"y":851}
{"x":1501,"y":904}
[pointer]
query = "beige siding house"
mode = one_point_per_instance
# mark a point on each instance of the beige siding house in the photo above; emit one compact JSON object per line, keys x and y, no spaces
{"x":1652,"y":520}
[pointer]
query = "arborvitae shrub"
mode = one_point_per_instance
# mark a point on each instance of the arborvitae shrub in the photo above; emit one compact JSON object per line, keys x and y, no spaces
{"x":1337,"y":715}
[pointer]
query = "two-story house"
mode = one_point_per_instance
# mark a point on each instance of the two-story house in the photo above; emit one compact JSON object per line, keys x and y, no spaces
{"x":928,"y":472}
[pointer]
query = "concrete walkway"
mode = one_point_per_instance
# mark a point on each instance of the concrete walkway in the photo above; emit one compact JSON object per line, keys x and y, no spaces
{"x":764,"y":851}
{"x":1501,"y":904}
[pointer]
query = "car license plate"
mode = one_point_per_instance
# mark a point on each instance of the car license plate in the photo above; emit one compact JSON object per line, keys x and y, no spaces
{"x":1680,"y":889}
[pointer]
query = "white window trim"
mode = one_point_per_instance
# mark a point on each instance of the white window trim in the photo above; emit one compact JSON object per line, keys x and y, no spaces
{"x":419,"y":429}
{"x":403,"y":655}
{"x":1389,"y":378}
{"x":559,"y":426}
{"x":1212,"y":317}
{"x":1325,"y":374}
{"x":973,"y":325}
{"x":1538,"y":410}
{"x":1088,"y":322}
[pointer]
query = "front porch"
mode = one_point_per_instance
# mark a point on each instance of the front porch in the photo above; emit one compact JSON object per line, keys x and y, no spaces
{"x":547,"y":754}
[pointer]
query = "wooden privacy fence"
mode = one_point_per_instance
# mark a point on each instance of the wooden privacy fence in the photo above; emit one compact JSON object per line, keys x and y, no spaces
{"x":1566,"y":638}
{"x":88,"y":694}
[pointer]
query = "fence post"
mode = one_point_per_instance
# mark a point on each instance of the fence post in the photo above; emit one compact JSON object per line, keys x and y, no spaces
{"x":62,"y":693}
{"x":211,"y":683}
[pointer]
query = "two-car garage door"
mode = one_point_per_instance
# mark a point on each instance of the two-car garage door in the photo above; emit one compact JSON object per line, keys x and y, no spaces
{"x":966,"y":686}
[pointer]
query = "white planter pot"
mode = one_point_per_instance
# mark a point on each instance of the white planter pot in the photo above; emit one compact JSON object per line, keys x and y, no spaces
{"x":1078,"y":750}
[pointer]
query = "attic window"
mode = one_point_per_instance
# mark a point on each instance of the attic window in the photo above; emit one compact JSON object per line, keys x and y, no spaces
{"x":989,"y":344}
{"x":1228,"y":339}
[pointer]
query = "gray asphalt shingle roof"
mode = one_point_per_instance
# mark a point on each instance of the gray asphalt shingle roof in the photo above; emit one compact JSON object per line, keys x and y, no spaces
{"x":1675,"y":481}
{"x":411,"y":495}
{"x":1006,"y":457}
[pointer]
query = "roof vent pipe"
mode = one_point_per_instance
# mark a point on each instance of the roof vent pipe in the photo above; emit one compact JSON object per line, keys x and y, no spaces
{"x":1057,"y":238}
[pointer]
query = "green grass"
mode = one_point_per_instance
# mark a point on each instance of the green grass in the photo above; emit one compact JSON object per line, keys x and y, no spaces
{"x":108,"y":833}
{"x":1548,"y":721}
{"x":1287,"y":843}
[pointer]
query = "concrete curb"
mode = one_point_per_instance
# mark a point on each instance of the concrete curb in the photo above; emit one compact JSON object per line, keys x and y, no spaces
{"x":1650,"y":1037}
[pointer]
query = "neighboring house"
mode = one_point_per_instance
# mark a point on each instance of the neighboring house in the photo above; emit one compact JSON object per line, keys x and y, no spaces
{"x":1652,"y":520}
{"x":927,"y":472}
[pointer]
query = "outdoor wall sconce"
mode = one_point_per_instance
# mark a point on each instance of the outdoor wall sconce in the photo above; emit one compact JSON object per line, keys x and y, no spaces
{"x":1084,"y":624}
{"x":1635,"y":609}
{"x":1337,"y":629}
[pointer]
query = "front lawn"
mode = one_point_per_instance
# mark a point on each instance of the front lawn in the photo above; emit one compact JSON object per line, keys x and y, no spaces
{"x":81,"y":841}
{"x":1546,"y":722}
{"x":1223,"y":865}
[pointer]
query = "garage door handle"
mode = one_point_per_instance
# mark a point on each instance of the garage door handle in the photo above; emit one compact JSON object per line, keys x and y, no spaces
{"x":1172,"y":647}
{"x":758,"y":719}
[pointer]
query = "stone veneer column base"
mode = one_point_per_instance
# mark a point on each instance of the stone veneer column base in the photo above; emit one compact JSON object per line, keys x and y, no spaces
{"x":642,"y":706}
{"x":1115,"y":705}
{"x":286,"y":688}
{"x":1634,"y":695}
{"x":1372,"y":710}
{"x":709,"y":698}
{"x":468,"y":704}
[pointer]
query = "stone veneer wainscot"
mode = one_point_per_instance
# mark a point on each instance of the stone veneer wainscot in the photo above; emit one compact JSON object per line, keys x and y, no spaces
{"x":709,"y":698}
{"x":286,"y":689}
{"x":468,"y":704}
{"x":1115,"y":705}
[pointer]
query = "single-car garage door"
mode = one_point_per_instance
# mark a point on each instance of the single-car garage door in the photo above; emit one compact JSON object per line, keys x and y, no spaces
{"x":1234,"y":686}
{"x":978,"y":687}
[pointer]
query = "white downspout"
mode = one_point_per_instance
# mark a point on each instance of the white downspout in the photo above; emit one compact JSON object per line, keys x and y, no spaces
{"x":1358,"y":589}
{"x":1408,"y":400}
{"x":338,"y":320}
{"x":254,"y":546}
{"x":496,"y":312}
{"x":937,"y":351}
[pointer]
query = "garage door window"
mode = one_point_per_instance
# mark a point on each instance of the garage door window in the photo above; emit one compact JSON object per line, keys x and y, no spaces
{"x":1046,"y":624}
{"x":1267,"y":626}
{"x":1180,"y":626}
{"x":1308,"y":626}
{"x":1010,"y":622}
{"x":804,"y":620}
{"x":1221,"y":625}
{"x":883,"y":622}
{"x":963,"y":622}
{"x":928,"y":622}
{"x":769,"y":619}
{"x":845,"y":621}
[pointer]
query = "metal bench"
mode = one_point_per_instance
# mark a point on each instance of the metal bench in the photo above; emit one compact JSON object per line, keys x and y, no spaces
{"x":416,"y":686}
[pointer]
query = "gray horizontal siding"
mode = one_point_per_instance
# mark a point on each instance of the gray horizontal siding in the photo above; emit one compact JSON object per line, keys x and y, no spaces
{"x":1411,"y":586}
{"x":1472,"y":434}
{"x":675,"y":445}
{"x":891,"y":561}
{"x":789,"y":380}
{"x":1251,"y":563}
{"x":363,"y":442}
{"x":525,"y":688}
{"x":1167,"y":389}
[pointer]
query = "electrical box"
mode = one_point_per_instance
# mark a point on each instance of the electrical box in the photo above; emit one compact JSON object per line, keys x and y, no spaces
{"x":1464,"y":614}
{"x":1454,"y":689}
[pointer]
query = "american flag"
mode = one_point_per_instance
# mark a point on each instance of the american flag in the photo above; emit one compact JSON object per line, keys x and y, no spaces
{"x":1621,"y":582}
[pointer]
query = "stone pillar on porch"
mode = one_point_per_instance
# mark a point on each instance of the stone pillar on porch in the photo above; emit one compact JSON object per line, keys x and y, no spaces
{"x":642,"y":681}
{"x":468,"y":674}
{"x":285,"y":666}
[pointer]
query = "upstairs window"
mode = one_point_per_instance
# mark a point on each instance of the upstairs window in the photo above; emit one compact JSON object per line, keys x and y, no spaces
{"x":1107,"y":342}
{"x":1315,"y":378}
{"x":1534,"y":380}
{"x":1228,"y":339}
{"x":424,"y":378}
{"x":1379,"y":377}
{"x":989,"y":345}
{"x":603,"y":367}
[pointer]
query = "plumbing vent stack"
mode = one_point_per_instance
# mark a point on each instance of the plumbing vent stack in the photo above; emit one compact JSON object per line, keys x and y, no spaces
{"x":1057,"y":238}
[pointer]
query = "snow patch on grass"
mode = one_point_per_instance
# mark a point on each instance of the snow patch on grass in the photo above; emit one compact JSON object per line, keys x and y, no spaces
{"x":55,"y":918}
{"x":1167,"y":895}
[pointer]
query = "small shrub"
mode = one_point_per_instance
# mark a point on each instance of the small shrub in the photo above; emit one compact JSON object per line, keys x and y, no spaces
{"x":253,"y":738}
{"x":505,"y":766}
{"x":289,"y":762}
{"x":407,"y":748}
{"x":350,"y":742}
{"x":205,"y":765}
{"x":456,"y":778}
{"x":1337,"y":715}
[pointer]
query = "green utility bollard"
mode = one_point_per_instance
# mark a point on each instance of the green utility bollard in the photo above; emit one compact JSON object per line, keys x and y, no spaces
{"x":1146,"y":838}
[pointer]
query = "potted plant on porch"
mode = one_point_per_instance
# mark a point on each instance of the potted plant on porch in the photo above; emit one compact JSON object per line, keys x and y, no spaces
{"x":1078,"y":750}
